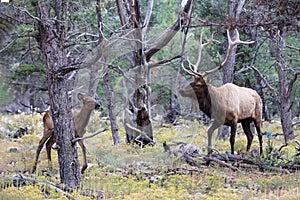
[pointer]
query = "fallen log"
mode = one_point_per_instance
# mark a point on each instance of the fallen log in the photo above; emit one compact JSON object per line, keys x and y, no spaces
{"x":208,"y":159}
{"x":190,"y":153}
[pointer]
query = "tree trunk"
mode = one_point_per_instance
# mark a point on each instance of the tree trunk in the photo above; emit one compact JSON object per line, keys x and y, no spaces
{"x":55,"y":59}
{"x":112,"y":117}
{"x":173,"y":112}
{"x":228,"y":76}
{"x":285,"y":104}
{"x":266,"y":114}
{"x":228,"y":69}
{"x":94,"y":69}
{"x":130,"y":17}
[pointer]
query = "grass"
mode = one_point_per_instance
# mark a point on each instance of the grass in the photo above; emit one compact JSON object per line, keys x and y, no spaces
{"x":129,"y":172}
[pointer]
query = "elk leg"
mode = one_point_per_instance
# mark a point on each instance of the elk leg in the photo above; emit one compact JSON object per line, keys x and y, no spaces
{"x":247,"y":130}
{"x":84,"y":166}
{"x":38,"y":151}
{"x":232,"y":137}
{"x":259,"y":134}
{"x":49,"y":144}
{"x":210,"y":131}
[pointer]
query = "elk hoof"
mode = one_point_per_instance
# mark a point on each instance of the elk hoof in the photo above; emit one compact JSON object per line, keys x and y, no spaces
{"x":33,"y":169}
{"x":83,"y":169}
{"x":56,"y":147}
{"x":209,"y":150}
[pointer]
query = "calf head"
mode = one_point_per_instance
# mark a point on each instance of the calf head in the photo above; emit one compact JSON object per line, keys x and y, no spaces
{"x":88,"y":101}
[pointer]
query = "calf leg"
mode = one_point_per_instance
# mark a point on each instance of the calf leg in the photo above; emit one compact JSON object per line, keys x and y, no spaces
{"x":247,"y":130}
{"x":38,"y":151}
{"x":84,"y":166}
{"x":49,"y":144}
{"x":232,"y":137}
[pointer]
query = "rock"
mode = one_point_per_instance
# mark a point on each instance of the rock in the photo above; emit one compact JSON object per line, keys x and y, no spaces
{"x":199,"y":195}
{"x":13,"y":150}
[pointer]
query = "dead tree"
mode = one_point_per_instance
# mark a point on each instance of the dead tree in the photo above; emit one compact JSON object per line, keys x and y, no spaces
{"x":142,"y":51}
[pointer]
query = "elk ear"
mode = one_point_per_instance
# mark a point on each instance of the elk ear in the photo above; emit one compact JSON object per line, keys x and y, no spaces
{"x":208,"y":80}
{"x":80,"y":96}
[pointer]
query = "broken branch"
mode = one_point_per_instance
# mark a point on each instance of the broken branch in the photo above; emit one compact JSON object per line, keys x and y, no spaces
{"x":86,"y":137}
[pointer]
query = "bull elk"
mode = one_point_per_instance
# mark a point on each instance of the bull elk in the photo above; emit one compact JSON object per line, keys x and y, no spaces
{"x":228,"y":104}
{"x":81,"y":120}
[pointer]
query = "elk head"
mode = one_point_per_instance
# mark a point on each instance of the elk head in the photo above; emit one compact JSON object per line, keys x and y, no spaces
{"x":89,"y":102}
{"x":199,"y":83}
{"x":198,"y":90}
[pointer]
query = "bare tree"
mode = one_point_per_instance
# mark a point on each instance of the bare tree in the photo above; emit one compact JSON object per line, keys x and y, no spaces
{"x":279,"y":19}
{"x":142,"y":51}
{"x":52,"y":31}
{"x":285,"y":92}
{"x":106,"y":79}
{"x":110,"y":107}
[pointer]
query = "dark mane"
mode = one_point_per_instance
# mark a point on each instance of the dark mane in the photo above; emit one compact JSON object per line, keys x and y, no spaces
{"x":203,"y":98}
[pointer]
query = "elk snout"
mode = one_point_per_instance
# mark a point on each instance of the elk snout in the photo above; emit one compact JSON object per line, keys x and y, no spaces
{"x":186,"y":92}
{"x":97,"y":106}
{"x":182,"y":92}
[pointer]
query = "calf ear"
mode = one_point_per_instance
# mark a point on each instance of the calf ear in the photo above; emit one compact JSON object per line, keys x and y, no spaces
{"x":80,"y":96}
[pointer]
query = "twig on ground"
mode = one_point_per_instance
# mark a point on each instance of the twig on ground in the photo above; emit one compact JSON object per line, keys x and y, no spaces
{"x":284,"y":145}
{"x":56,"y":188}
{"x":222,"y":163}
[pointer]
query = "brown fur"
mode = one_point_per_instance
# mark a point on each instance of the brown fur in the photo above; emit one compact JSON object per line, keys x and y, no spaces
{"x":81,"y":119}
{"x":228,"y":105}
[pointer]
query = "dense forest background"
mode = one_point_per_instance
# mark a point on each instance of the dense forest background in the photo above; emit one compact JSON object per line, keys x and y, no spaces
{"x":129,"y":55}
{"x":23,"y":79}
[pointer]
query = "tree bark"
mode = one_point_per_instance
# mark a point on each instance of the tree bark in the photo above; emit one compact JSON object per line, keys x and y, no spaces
{"x":94,"y":69}
{"x":285,"y":103}
{"x":265,"y":110}
{"x":51,"y":41}
{"x":112,"y":117}
{"x":174,"y":110}
{"x":234,"y":11}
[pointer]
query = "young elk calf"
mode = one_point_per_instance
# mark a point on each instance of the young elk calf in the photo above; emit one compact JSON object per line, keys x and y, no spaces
{"x":81,"y":120}
{"x":228,"y":104}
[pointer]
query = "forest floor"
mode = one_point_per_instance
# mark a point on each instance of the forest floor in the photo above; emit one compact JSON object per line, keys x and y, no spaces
{"x":129,"y":172}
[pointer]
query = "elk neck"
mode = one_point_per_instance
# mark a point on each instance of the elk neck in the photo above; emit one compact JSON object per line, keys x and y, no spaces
{"x":204,"y":98}
{"x":82,"y":119}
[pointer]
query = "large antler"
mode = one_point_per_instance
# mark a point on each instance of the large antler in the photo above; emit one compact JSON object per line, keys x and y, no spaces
{"x":193,"y":68}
